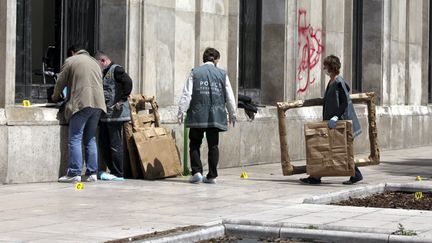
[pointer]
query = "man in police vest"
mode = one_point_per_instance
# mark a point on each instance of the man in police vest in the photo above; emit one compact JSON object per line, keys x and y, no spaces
{"x":206,"y":95}
{"x":117,"y":86}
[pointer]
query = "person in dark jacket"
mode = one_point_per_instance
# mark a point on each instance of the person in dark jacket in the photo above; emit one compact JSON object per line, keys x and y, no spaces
{"x":117,"y":86}
{"x":206,"y":94}
{"x":337,"y":105}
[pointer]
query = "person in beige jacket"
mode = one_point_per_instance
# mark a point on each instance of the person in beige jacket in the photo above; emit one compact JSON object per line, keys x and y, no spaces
{"x":85,"y":102}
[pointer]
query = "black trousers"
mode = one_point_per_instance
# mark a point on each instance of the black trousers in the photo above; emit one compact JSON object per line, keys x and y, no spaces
{"x":195,"y":139}
{"x":111,"y":146}
{"x":357,"y":174}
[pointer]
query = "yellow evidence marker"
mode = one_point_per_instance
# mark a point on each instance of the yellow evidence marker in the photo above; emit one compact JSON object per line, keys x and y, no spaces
{"x":26,"y":103}
{"x":419,"y":195}
{"x":244,"y":175}
{"x":79,"y":186}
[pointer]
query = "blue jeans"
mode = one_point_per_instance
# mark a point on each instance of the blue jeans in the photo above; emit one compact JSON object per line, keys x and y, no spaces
{"x":82,"y":129}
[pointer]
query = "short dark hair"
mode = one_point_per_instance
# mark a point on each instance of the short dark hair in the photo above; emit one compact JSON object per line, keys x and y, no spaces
{"x":74,"y":48}
{"x":333,"y":64}
{"x":99,"y":54}
{"x":210,"y":55}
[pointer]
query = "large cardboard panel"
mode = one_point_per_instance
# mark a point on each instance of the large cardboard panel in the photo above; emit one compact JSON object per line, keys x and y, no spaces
{"x":135,"y":164}
{"x":329,"y":152}
{"x":158,"y":154}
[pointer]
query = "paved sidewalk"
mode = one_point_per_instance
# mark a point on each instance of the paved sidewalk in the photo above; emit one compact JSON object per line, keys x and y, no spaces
{"x":55,"y":212}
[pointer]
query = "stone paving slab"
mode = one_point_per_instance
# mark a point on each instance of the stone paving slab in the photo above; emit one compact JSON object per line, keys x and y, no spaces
{"x":54,"y":212}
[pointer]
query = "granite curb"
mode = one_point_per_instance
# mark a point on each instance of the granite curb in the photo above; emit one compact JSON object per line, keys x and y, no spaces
{"x":191,"y":236}
{"x":368,"y":190}
{"x":308,"y":226}
{"x":257,"y":229}
{"x":345,"y":236}
{"x":265,"y":230}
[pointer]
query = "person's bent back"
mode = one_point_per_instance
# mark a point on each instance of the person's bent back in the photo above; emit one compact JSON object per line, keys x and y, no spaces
{"x":84,"y":104}
{"x":83,"y":78}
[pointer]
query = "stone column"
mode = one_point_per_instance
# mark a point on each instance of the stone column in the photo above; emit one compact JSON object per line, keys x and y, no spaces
{"x":338,"y":37}
{"x":375,"y":47}
{"x":310,"y":48}
{"x":414,"y":51}
{"x":113,"y":29}
{"x":233,"y":43}
{"x":7,"y":76}
{"x":213,"y":29}
{"x":347,"y":63}
{"x":7,"y":52}
{"x":3,"y":51}
{"x":290,"y":44}
{"x":425,"y":51}
{"x":398,"y":53}
{"x":165,"y":40}
{"x":134,"y":44}
{"x":184,"y":59}
{"x":159,"y":41}
{"x":272,"y":52}
{"x":4,"y":144}
{"x":216,"y":25}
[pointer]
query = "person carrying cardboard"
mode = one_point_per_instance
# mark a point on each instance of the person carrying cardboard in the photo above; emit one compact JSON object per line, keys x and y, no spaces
{"x":337,"y":105}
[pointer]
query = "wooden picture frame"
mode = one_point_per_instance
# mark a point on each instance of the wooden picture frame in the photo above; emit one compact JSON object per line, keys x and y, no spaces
{"x":368,"y":98}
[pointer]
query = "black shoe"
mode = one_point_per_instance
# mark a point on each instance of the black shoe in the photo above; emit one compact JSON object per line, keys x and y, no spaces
{"x":352,"y":180}
{"x":311,"y":180}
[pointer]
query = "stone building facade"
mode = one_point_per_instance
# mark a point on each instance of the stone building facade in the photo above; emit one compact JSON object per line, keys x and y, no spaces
{"x":272,"y":51}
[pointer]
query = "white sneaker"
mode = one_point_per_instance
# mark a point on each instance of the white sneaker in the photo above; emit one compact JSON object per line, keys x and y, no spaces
{"x":196,"y":178}
{"x":209,"y":181}
{"x":69,"y":179}
{"x":90,"y":178}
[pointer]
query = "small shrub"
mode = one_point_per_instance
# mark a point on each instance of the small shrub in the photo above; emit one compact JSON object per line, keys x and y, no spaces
{"x":311,"y":226}
{"x":402,"y":231}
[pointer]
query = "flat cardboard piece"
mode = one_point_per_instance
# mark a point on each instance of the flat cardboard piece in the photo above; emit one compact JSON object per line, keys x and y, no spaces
{"x":135,"y":163}
{"x":329,"y":152}
{"x":158,"y":154}
{"x":146,"y":120}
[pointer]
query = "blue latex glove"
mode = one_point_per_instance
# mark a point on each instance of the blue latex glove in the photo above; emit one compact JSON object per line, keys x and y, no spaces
{"x":332,"y":122}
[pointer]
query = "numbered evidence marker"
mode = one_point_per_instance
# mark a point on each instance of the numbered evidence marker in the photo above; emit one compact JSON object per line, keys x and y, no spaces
{"x":244,"y":175}
{"x":79,"y":186}
{"x":26,"y":103}
{"x":419,"y":195}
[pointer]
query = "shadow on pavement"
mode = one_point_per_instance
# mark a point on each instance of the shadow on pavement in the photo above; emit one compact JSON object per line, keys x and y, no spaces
{"x":407,"y":167}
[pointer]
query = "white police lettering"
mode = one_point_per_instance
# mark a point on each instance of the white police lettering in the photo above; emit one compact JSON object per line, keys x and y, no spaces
{"x":205,"y":87}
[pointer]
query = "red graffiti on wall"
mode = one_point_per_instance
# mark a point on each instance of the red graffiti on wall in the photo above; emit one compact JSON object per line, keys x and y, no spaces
{"x":310,"y":50}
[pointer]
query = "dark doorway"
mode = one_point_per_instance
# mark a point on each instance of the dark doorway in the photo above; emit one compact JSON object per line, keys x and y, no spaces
{"x":44,"y":31}
{"x":80,"y":19}
{"x":36,"y":24}
{"x":357,"y":46}
{"x":250,"y":46}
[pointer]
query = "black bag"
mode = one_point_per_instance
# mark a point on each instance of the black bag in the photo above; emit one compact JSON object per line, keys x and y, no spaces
{"x":245,"y":102}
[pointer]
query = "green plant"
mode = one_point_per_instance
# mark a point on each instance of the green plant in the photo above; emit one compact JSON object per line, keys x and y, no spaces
{"x":402,"y":231}
{"x":311,"y":226}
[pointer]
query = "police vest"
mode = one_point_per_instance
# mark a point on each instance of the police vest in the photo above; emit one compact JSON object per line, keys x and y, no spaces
{"x":207,"y":106}
{"x":112,"y":92}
